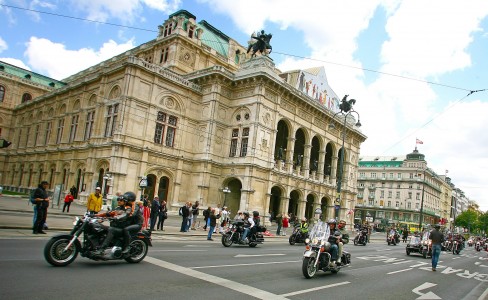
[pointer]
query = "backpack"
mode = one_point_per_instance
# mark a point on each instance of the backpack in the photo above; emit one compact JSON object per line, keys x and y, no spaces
{"x":31,"y":197}
{"x":180,"y":211}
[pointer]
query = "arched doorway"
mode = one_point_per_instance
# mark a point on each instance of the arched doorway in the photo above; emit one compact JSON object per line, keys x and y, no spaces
{"x":328,"y":160}
{"x":275,"y":201}
{"x":314,"y":154}
{"x":293,"y":206}
{"x":309,"y":211}
{"x":149,"y":191}
{"x":324,"y":206}
{"x":299,"y":149}
{"x":281,"y":141}
{"x":163,"y":188}
{"x":233,"y":200}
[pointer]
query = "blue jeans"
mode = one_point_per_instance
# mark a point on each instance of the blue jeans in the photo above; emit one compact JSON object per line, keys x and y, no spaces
{"x":184,"y":223}
{"x":334,"y":251}
{"x":278,"y":230}
{"x":246,"y":232}
{"x":436,"y":251}
{"x":210,"y":231}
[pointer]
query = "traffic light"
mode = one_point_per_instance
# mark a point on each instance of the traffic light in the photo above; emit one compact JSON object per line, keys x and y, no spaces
{"x":4,"y":143}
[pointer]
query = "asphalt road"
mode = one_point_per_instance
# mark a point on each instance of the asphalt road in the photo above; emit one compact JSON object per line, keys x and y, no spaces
{"x":180,"y":267}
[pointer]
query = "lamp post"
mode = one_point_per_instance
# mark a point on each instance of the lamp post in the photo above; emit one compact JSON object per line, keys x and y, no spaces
{"x":422,"y":201}
{"x":346,"y":110}
{"x":106,"y":178}
{"x":143,"y":185}
{"x":226,"y":191}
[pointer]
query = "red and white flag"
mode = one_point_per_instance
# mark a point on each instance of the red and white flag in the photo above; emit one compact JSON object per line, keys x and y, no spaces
{"x":418,"y":141}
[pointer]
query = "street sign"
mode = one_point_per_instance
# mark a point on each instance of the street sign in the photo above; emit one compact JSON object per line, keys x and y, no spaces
{"x":143,"y":182}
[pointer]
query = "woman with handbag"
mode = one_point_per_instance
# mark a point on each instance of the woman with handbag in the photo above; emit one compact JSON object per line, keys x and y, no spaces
{"x":163,"y":215}
{"x":67,"y":201}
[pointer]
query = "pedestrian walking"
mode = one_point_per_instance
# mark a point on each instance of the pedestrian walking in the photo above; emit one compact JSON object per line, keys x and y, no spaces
{"x":190,"y":216}
{"x":213,"y":223}
{"x":42,"y":203}
{"x":146,"y":212}
{"x":195,"y":212}
{"x":224,"y":219}
{"x":286,"y":223}
{"x":155,"y":208}
{"x":206,"y":217}
{"x":67,"y":201}
{"x":279,"y":222}
{"x":94,"y":202}
{"x":185,"y":212}
{"x":163,"y":215}
{"x":437,"y":238}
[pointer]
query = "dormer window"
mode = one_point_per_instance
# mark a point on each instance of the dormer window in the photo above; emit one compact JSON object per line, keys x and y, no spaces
{"x":26,"y":97}
{"x":191,"y":30}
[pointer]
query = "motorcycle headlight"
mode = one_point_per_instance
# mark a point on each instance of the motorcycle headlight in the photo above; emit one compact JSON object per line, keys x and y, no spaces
{"x":307,"y":241}
{"x":315,"y":241}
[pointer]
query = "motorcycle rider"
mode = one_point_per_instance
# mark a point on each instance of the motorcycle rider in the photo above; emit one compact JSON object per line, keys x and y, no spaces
{"x":304,"y":228}
{"x":344,"y":238}
{"x":248,"y":224}
{"x":136,"y":219}
{"x":120,"y":220}
{"x":334,"y":239}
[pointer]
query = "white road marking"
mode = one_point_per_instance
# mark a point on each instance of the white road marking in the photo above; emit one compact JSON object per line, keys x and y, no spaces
{"x":178,"y":250}
{"x":250,"y":264}
{"x":428,"y":295}
{"x":314,"y":289}
{"x":400,"y":271}
{"x":242,"y":288}
{"x":256,"y":255}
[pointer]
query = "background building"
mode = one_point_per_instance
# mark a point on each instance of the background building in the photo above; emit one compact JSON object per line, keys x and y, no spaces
{"x":397,"y":190}
{"x":192,"y":112}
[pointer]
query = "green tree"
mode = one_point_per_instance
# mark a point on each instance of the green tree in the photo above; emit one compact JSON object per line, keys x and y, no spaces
{"x":483,"y":222}
{"x":467,"y":219}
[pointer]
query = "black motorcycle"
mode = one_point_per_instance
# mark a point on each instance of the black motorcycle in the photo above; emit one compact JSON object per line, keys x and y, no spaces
{"x":61,"y":250}
{"x":233,"y":234}
{"x":361,"y":238}
{"x":393,"y":239}
{"x":297,"y":236}
{"x":457,"y":246}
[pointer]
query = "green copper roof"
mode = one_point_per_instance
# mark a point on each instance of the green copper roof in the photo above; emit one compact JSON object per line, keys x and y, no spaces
{"x":29,"y":75}
{"x":379,"y":164}
{"x":214,"y":38}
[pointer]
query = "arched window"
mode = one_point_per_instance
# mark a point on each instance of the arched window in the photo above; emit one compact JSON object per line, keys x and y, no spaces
{"x":2,"y":93}
{"x":26,"y":97}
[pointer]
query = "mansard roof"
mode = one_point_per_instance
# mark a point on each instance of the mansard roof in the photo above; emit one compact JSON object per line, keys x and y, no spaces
{"x":29,"y":75}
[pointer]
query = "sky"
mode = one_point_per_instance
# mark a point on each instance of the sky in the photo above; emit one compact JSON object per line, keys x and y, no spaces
{"x":417,"y":69}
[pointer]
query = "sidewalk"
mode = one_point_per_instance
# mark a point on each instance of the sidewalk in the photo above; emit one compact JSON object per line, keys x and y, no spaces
{"x":17,"y":213}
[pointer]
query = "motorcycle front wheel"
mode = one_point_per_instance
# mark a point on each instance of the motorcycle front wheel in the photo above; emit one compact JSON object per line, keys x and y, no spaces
{"x":292,"y":240}
{"x":308,"y":267}
{"x":55,"y":254}
{"x":226,"y":240}
{"x":424,"y":253}
{"x":138,"y":250}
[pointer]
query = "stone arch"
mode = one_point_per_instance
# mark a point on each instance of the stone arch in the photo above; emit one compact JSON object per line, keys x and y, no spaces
{"x":316,"y":146}
{"x":328,"y":158}
{"x":92,"y":101}
{"x":170,"y":101}
{"x":299,"y":147}
{"x":233,"y":199}
{"x":295,"y":197}
{"x":76,"y":105}
{"x":241,"y":115}
{"x":62,"y":109}
{"x":309,"y":206}
{"x":281,"y":142}
{"x":277,"y":193}
{"x":114,"y":92}
{"x":325,"y":203}
{"x":50,"y":113}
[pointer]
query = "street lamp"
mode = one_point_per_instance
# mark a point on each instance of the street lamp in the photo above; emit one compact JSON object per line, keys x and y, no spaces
{"x":346,"y":110}
{"x":422,"y":202}
{"x":226,"y":191}
{"x":106,"y":178}
{"x":143,"y":185}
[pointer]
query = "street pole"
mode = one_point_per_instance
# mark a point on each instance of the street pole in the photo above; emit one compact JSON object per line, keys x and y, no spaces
{"x":422,"y":203}
{"x":346,"y":109}
{"x":226,"y":190}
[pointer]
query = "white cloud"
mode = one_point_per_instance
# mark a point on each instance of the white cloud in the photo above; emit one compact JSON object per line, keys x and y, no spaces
{"x":54,"y":60}
{"x":3,"y":45}
{"x":425,"y":40}
{"x":126,"y":10}
{"x":15,"y":62}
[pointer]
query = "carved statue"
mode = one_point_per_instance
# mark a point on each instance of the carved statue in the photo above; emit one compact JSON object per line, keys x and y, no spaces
{"x":260,"y":43}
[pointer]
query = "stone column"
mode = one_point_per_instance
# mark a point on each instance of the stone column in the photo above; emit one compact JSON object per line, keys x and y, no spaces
{"x":306,"y":160}
{"x":289,"y":154}
{"x":320,"y":168}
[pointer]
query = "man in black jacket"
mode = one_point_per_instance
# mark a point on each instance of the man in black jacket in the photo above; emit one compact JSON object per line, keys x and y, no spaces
{"x":437,"y":238}
{"x":185,"y":213}
{"x":42,"y":203}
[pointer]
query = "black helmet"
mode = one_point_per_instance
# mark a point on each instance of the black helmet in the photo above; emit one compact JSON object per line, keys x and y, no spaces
{"x":332,"y":221}
{"x":246,"y":213}
{"x":128,"y":197}
{"x":255,"y":213}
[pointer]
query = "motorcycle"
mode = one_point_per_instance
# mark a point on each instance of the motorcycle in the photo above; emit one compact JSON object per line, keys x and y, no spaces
{"x":456,"y":247}
{"x":317,"y":255}
{"x":297,"y":236}
{"x":393,"y":239}
{"x":62,"y":250}
{"x":234,"y":233}
{"x":361,"y":238}
{"x":447,"y":245}
{"x":477,"y":246}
